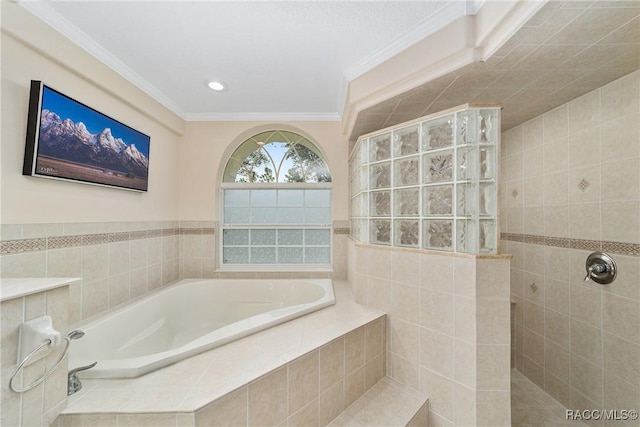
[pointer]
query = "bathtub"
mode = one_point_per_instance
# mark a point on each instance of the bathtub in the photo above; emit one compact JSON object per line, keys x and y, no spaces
{"x":190,"y":317}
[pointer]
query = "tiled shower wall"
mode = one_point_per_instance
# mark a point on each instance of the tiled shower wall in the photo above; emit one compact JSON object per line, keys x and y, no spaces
{"x":448,"y":327}
{"x":121,"y":261}
{"x":572,"y":186}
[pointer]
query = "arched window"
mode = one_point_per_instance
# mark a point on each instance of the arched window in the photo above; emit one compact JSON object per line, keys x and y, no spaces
{"x":277,"y":156}
{"x":276,"y":204}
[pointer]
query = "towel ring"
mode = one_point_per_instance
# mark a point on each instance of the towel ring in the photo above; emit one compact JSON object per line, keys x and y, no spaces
{"x":28,"y":357}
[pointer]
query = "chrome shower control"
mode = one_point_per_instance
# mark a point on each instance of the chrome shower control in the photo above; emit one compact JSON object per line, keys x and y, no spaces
{"x":601,"y":268}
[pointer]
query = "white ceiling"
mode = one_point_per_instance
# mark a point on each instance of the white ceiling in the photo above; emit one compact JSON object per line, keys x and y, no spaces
{"x":281,"y":59}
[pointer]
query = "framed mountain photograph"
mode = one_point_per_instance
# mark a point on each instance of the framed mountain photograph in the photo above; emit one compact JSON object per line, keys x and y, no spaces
{"x":68,"y":140}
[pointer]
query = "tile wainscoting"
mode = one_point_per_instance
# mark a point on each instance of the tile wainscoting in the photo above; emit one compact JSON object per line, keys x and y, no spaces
{"x":448,"y":327}
{"x":122,"y":261}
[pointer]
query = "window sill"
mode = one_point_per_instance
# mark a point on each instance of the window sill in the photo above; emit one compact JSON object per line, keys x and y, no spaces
{"x":257,"y":268}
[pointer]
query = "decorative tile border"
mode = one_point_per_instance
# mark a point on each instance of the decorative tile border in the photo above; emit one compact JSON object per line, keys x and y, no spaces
{"x":58,"y":242}
{"x":8,"y":247}
{"x":197,"y":231}
{"x":621,"y":248}
{"x":20,"y":246}
{"x":632,"y":249}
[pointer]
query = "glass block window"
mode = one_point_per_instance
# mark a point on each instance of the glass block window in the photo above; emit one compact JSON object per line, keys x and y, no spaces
{"x":276,"y":204}
{"x":430,"y":184}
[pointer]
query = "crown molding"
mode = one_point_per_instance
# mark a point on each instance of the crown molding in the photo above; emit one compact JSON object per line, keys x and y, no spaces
{"x":262,"y":117}
{"x":449,"y":13}
{"x":47,"y":14}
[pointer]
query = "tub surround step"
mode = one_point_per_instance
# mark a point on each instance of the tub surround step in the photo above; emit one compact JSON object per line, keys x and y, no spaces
{"x":225,"y":382}
{"x":388,"y":403}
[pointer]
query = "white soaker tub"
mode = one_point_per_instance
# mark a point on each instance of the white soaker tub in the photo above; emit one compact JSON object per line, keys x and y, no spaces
{"x":190,"y":317}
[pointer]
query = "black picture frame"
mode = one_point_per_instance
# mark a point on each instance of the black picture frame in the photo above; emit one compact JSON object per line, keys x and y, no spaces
{"x":68,"y":140}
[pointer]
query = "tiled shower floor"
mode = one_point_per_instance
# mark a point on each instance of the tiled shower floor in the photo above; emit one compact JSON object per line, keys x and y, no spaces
{"x":533,"y":407}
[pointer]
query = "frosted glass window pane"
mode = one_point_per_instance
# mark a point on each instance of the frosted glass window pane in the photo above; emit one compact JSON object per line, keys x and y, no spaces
{"x":437,"y":133}
{"x":467,"y":164}
{"x":234,"y":198}
{"x":263,"y":197}
{"x":406,"y":233}
{"x":290,"y":237}
{"x":263,"y":215}
{"x":487,"y":126}
{"x":438,"y":166}
{"x":290,"y":255}
{"x":467,"y":127}
{"x":290,"y":215}
{"x":263,"y":237}
{"x":437,"y":234}
{"x":380,"y":175}
{"x":317,"y":215}
{"x":317,"y":237}
{"x":363,"y":155}
{"x":381,"y":203}
{"x":364,"y":178}
{"x":380,"y":231}
{"x":406,"y":202}
{"x":235,"y":237}
{"x":359,"y":229}
{"x":406,"y":141}
{"x":406,"y":171}
{"x":438,"y":200}
{"x":466,"y":236}
{"x":263,"y":255}
{"x":487,"y":236}
{"x":380,"y":147}
{"x":356,"y":205}
{"x":467,"y":200}
{"x":487,"y":162}
{"x":487,"y":199}
{"x":355,"y":185}
{"x":237,"y":215}
{"x":235,"y":255}
{"x":290,"y":197}
{"x":317,"y":198}
{"x":317,"y":255}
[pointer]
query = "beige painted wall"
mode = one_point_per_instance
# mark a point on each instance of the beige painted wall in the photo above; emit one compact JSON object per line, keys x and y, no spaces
{"x":207,"y":146}
{"x":32,"y":50}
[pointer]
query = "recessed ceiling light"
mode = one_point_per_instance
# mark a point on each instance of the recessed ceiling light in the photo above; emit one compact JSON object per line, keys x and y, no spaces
{"x":216,"y":85}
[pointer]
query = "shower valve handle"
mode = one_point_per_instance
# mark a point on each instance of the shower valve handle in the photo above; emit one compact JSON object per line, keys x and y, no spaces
{"x":601,"y":268}
{"x":595,"y":268}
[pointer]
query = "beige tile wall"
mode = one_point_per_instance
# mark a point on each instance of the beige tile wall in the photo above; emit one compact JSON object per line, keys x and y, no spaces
{"x":309,"y":391}
{"x":40,"y":405}
{"x":448,"y":327}
{"x":117,"y":261}
{"x":572,"y":185}
{"x":122,"y":261}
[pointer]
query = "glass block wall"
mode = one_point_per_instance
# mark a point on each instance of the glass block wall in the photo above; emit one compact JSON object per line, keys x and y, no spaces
{"x":430,"y":183}
{"x":276,"y":226}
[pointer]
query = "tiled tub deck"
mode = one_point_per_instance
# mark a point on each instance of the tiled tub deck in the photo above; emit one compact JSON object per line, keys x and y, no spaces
{"x":303,"y":372}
